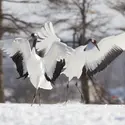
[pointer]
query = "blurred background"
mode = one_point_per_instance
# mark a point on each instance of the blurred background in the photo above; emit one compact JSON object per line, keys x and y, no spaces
{"x":74,"y":21}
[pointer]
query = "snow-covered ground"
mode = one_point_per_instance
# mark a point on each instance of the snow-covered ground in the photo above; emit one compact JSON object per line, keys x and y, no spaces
{"x":61,"y":114}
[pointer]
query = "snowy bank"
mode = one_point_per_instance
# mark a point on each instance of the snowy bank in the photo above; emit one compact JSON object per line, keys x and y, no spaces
{"x":61,"y":114}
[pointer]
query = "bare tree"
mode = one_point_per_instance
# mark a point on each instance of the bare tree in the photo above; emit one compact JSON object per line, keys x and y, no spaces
{"x":1,"y":71}
{"x":119,"y":6}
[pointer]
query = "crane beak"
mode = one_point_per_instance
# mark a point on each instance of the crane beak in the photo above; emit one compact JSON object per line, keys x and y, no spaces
{"x":97,"y":47}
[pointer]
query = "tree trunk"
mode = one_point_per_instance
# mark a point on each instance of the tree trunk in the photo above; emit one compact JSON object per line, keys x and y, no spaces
{"x":1,"y":58}
{"x":1,"y":80}
{"x":85,"y":88}
{"x":84,"y":79}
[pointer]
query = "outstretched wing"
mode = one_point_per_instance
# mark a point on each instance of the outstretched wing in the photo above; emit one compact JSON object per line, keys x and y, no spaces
{"x":57,"y":51}
{"x":110,"y":48}
{"x":94,"y":60}
{"x":14,"y":49}
{"x":20,"y":66}
{"x":48,"y":37}
{"x":58,"y":69}
{"x":54,"y":50}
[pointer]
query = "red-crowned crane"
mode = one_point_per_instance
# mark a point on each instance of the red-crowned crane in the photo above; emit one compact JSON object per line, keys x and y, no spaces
{"x":95,"y":56}
{"x":34,"y":64}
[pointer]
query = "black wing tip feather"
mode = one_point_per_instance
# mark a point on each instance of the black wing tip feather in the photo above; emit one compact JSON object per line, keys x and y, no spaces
{"x":18,"y":60}
{"x":111,"y":55}
{"x":47,"y":77}
{"x":24,"y":76}
{"x":59,"y":67}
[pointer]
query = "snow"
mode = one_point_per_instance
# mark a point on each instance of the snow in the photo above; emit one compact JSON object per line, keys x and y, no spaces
{"x":61,"y":114}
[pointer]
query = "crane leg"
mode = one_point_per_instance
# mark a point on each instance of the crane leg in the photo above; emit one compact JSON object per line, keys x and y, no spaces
{"x":34,"y":96}
{"x":79,"y":90}
{"x":67,"y":88}
{"x":25,"y":75}
{"x":19,"y":77}
{"x":39,"y":99}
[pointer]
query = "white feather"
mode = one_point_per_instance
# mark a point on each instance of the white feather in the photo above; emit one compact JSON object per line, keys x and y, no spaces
{"x":11,"y":47}
{"x":33,"y":63}
{"x":74,"y":63}
{"x":57,"y":51}
{"x":92,"y":57}
{"x":49,"y":37}
{"x":54,"y":49}
{"x":34,"y":66}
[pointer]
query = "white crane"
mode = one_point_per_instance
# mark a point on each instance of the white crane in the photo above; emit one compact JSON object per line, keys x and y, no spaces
{"x":93,"y":58}
{"x":34,"y":64}
{"x":7,"y":45}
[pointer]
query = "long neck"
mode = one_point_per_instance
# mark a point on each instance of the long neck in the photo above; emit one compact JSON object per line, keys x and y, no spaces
{"x":89,"y":46}
{"x":34,"y":47}
{"x":34,"y":43}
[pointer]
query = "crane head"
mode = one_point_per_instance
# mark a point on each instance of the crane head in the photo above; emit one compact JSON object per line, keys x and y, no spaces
{"x":34,"y":35}
{"x":94,"y":43}
{"x":34,"y":38}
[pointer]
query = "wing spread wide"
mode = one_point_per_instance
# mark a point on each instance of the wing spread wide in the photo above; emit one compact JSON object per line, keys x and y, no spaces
{"x":110,"y":48}
{"x":105,"y":61}
{"x":57,"y":52}
{"x":19,"y":50}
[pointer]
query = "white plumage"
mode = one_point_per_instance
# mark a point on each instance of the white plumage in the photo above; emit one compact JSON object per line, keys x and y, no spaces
{"x":75,"y":64}
{"x":54,"y":49}
{"x":40,"y":70}
{"x":34,"y":63}
{"x":92,"y":59}
{"x":12,"y":48}
{"x":48,"y":37}
{"x":57,"y":52}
